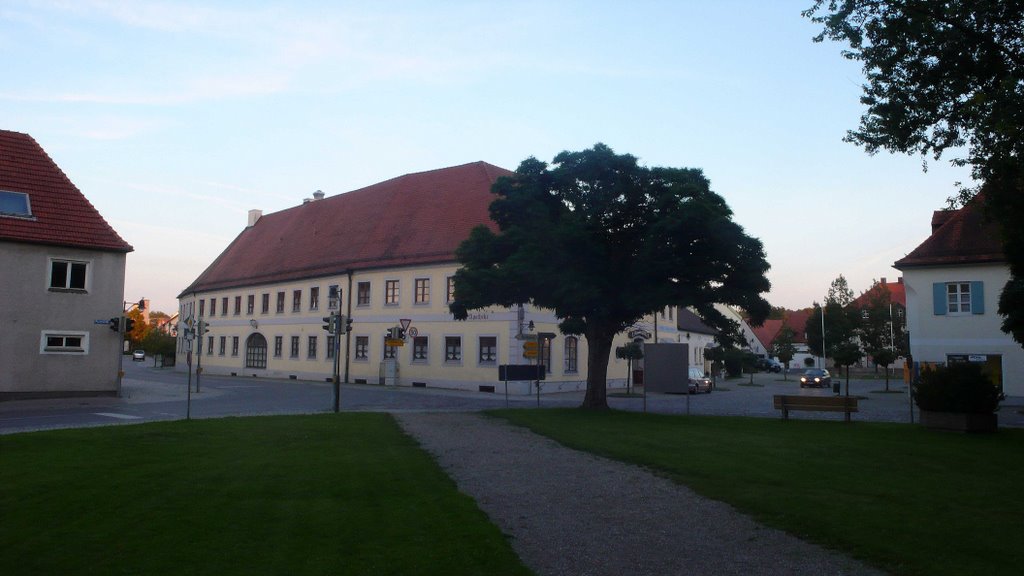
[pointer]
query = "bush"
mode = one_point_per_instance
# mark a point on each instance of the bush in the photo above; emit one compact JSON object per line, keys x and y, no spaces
{"x":809,"y":362}
{"x":960,"y":387}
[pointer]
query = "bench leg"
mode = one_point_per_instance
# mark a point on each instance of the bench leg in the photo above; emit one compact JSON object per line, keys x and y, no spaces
{"x":847,"y":415}
{"x":785,"y":414}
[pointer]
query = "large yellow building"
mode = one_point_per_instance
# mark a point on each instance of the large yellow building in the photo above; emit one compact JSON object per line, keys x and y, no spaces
{"x":383,"y":256}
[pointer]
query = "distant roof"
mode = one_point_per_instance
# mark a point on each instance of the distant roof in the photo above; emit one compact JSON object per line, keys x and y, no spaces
{"x":690,"y":322}
{"x":58,"y":213}
{"x":964,"y":236}
{"x":767,"y":332}
{"x":415,"y":219}
{"x":897,"y":292}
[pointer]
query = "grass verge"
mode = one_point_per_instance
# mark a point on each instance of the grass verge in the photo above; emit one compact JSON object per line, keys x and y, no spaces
{"x":325,"y":494}
{"x":908,"y":500}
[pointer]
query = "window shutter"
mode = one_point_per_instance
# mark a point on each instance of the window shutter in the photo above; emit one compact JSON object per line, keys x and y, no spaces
{"x":977,"y":297}
{"x":939,"y":298}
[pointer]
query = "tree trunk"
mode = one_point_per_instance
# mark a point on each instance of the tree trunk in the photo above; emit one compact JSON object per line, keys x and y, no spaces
{"x":599,"y":347}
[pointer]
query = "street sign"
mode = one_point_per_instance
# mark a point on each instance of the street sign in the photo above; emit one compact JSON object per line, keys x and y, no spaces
{"x":529,"y":353}
{"x":405,"y":323}
{"x":394,"y":342}
{"x":100,"y":322}
{"x":530,"y":345}
{"x":413,"y":332}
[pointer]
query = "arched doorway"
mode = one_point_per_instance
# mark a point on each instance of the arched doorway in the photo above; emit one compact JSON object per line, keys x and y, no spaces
{"x":256,"y":351}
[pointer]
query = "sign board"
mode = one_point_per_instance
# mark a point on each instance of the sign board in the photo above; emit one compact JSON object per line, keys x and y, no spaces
{"x":977,"y":358}
{"x":521,"y":371}
{"x":530,"y":345}
{"x":529,"y":353}
{"x":639,"y":333}
{"x":394,"y":342}
{"x":99,"y":322}
{"x":404,"y":322}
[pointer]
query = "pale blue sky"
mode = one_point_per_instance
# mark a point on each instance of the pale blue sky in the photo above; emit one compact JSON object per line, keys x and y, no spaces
{"x":176,"y":118}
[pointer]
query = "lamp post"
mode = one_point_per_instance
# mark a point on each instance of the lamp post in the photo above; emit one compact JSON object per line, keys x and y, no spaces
{"x":824,"y":353}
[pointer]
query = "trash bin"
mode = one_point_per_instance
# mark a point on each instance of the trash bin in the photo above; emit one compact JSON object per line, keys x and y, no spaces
{"x":835,"y":387}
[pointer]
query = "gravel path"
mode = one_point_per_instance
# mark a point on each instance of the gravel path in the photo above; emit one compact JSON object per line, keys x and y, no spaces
{"x":572,"y":513}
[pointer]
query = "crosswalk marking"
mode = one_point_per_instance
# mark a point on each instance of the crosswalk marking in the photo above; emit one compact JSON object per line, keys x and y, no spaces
{"x":118,"y":416}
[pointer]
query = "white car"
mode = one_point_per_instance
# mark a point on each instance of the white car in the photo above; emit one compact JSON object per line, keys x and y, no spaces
{"x":139,"y":356}
{"x":699,"y":382}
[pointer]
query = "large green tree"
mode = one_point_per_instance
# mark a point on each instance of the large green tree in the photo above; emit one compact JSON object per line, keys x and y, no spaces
{"x":603,"y":241}
{"x":946,"y":76}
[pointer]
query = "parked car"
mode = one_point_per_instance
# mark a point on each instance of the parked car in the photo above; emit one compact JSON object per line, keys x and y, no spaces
{"x":768,"y":365}
{"x":816,"y":377}
{"x":699,"y":382}
{"x":139,"y":356}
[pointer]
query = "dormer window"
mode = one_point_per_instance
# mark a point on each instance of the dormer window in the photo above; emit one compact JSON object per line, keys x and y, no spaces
{"x":15,"y":204}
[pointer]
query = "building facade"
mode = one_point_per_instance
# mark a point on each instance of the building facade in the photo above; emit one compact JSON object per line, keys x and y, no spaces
{"x":383,"y":256}
{"x":64,"y":279}
{"x":953,"y":280}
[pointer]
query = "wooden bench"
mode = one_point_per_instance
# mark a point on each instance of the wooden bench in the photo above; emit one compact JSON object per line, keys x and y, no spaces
{"x":786,"y":403}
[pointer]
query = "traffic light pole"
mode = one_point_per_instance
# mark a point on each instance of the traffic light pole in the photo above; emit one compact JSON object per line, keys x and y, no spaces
{"x":120,"y":353}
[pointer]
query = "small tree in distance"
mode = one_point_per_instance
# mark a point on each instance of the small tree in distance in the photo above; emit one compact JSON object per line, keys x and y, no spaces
{"x":783,"y":348}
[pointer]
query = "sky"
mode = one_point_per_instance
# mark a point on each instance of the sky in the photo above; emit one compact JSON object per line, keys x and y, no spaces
{"x":176,"y":118}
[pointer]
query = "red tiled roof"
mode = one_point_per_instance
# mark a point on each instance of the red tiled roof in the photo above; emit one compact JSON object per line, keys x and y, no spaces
{"x":414,"y":219}
{"x":897,"y":293}
{"x":767,"y":332}
{"x":796,"y":320}
{"x":61,"y":214}
{"x":966,"y":236}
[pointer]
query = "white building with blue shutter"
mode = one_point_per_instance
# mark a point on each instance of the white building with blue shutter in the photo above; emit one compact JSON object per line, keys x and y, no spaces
{"x":953,"y":281}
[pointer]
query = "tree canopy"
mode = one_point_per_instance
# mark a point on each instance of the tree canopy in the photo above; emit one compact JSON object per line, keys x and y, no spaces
{"x":946,"y":76}
{"x":602,"y":242}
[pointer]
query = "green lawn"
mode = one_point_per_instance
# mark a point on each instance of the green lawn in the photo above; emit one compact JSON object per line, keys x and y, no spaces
{"x":326,"y":494}
{"x":908,"y":500}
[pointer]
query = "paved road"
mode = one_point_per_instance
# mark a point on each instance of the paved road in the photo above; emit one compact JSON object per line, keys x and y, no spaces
{"x":151,"y":394}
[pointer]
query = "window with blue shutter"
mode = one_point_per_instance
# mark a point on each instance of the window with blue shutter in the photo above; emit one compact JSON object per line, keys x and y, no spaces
{"x":977,"y":298}
{"x":939,"y":298}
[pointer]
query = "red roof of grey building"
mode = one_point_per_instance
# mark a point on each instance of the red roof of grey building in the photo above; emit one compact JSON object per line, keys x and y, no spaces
{"x":60,"y":214}
{"x":964,"y":236}
{"x":414,"y":219}
{"x":767,"y":332}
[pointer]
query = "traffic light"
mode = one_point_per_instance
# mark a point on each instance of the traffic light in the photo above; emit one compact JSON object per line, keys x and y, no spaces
{"x":329,"y":324}
{"x":348,"y":324}
{"x":342,"y":326}
{"x":115,"y":324}
{"x":202,"y":327}
{"x":129,"y":323}
{"x":400,"y":333}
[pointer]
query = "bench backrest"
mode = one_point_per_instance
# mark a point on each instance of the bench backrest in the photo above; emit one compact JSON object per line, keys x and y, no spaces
{"x":784,"y":400}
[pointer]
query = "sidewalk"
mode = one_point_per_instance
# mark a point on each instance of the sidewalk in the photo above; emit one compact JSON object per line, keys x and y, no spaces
{"x":569,"y":512}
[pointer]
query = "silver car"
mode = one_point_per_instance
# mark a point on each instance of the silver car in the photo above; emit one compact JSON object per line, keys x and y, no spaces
{"x":699,"y":382}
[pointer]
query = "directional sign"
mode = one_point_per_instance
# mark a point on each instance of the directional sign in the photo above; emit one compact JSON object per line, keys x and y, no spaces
{"x":99,"y":322}
{"x":529,"y":353}
{"x":394,"y":342}
{"x":530,"y":345}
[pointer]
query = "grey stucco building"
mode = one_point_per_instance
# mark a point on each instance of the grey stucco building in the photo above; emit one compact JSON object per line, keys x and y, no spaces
{"x":62,"y":270}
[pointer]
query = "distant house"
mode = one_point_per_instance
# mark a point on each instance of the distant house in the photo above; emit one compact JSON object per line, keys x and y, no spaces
{"x":953,"y":280}
{"x":63,"y":278}
{"x":898,"y":297}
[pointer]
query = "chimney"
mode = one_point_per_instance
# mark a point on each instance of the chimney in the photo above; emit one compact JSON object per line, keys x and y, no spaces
{"x":254,"y":216}
{"x":318,"y":195}
{"x":883,"y":281}
{"x":899,"y":280}
{"x":940,"y":217}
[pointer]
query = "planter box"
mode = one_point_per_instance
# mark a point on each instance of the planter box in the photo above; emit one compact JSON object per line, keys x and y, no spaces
{"x":958,"y":421}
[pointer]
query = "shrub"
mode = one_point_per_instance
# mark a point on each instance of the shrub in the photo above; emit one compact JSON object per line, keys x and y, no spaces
{"x":960,"y":387}
{"x":809,"y":362}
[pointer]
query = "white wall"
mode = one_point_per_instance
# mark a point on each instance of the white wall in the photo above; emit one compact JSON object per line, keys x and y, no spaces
{"x":933,"y":337}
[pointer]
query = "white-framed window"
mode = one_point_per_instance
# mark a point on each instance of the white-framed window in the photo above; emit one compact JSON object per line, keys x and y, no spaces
{"x":333,"y":297}
{"x":15,"y":204}
{"x":295,"y":347}
{"x":363,"y":294}
{"x":71,"y":275}
{"x":453,"y":349}
{"x":488,"y":350}
{"x":311,"y":349}
{"x":420,"y":349}
{"x":450,"y":289}
{"x":278,"y":346}
{"x":64,"y":342}
{"x":389,"y":351}
{"x":422,"y":294}
{"x":958,"y":297}
{"x":391,"y":292}
{"x":314,"y":298}
{"x":572,"y":354}
{"x":362,"y":347}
